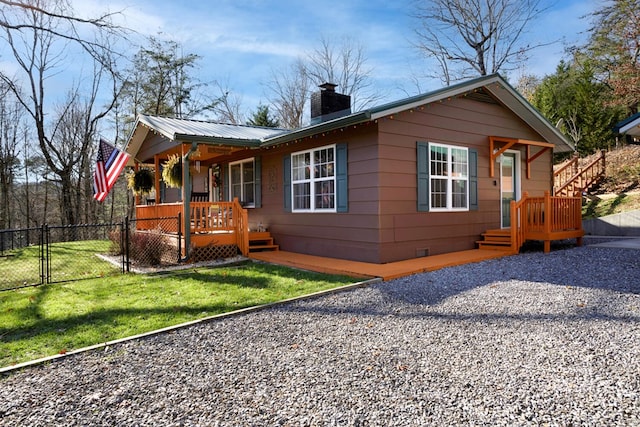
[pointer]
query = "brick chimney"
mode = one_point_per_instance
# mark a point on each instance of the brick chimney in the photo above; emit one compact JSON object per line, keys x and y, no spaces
{"x":327,"y":104}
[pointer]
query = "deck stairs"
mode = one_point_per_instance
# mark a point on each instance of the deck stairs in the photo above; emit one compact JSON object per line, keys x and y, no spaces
{"x":498,"y":240}
{"x":571,"y":180}
{"x":261,"y":241}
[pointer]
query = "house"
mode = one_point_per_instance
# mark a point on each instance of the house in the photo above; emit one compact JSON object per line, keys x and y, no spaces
{"x":429,"y":174}
{"x":629,"y":128}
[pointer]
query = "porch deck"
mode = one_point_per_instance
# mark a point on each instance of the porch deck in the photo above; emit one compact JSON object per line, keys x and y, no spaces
{"x":386,"y":271}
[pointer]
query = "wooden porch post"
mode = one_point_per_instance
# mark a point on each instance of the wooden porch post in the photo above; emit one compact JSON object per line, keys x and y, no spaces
{"x":186,"y":197}
{"x":136,"y":197}
{"x":156,"y":165}
{"x":548,"y":220}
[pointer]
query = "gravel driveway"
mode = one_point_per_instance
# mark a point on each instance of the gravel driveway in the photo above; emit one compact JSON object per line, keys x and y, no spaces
{"x":533,"y":339}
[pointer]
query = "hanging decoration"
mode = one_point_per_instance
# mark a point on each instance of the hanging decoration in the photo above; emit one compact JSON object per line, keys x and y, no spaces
{"x":141,"y":181}
{"x":172,"y":171}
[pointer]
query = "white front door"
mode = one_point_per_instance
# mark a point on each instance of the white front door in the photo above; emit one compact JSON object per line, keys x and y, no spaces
{"x":509,"y":184}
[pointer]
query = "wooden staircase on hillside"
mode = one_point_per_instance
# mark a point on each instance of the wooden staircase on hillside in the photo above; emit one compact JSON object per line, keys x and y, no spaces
{"x":570,"y":180}
{"x":261,"y":241}
{"x":497,"y":240}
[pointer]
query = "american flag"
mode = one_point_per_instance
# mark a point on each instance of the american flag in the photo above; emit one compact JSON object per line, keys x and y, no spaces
{"x":109,"y":164}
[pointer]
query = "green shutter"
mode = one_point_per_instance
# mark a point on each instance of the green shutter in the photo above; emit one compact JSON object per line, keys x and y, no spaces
{"x":422,"y":160}
{"x":473,"y":179}
{"x":286,"y":182}
{"x":257,"y":172}
{"x":342,"y":187}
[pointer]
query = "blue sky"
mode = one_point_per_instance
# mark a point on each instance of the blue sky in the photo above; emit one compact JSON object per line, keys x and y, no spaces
{"x":242,"y":41}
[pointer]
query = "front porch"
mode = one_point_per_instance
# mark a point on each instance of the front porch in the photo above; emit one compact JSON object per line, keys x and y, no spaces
{"x":545,"y":218}
{"x":220,"y":224}
{"x":211,"y":224}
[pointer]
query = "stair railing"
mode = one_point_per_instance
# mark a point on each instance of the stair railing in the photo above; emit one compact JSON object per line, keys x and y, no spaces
{"x":544,"y":218}
{"x":518,"y":223}
{"x":582,"y":179}
{"x":241,"y":223}
{"x":566,"y":173}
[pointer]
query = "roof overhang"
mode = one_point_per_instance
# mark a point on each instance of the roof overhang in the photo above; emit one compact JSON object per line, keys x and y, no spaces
{"x":181,"y":131}
{"x":350,"y":120}
{"x":499,"y":145}
{"x":494,"y":86}
{"x":629,"y":126}
{"x":502,"y":92}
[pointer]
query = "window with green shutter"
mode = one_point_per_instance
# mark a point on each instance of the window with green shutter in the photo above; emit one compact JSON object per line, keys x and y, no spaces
{"x":446,"y":177}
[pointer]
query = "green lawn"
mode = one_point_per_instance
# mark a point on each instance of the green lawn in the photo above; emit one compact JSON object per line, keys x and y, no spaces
{"x":68,"y":260}
{"x":602,"y":206}
{"x":50,"y":319}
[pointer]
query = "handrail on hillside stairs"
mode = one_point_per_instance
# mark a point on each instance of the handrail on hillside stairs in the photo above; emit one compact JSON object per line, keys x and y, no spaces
{"x":571,"y":181}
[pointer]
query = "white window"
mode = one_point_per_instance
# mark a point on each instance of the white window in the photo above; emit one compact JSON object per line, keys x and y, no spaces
{"x":242,"y":182}
{"x":448,"y":178}
{"x":313,"y":181}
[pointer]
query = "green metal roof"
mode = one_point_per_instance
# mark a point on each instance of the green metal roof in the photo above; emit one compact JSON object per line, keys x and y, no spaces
{"x":252,"y":136}
{"x":198,"y":130}
{"x":493,"y":84}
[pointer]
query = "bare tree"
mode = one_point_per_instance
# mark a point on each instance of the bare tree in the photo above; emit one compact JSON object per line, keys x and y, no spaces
{"x":527,"y":85}
{"x":288,"y":93}
{"x":227,"y":106}
{"x":39,"y":53}
{"x":474,"y":37}
{"x":11,"y":130}
{"x":615,"y":46}
{"x":343,"y":63}
{"x":60,"y":22}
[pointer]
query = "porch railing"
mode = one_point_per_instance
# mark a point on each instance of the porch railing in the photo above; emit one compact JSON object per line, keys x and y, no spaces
{"x":149,"y":217}
{"x":545,"y":218}
{"x":205,"y":217}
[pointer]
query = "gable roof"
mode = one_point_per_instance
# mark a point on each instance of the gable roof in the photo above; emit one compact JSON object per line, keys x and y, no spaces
{"x":629,"y":126}
{"x":187,"y":130}
{"x":493,"y":86}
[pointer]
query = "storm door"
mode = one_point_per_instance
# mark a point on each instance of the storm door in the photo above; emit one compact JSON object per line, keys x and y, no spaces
{"x":509,"y":184}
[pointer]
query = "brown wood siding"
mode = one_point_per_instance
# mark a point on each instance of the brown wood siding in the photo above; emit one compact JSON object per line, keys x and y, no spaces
{"x":352,"y":235}
{"x":406,"y":233}
{"x":383,"y":224}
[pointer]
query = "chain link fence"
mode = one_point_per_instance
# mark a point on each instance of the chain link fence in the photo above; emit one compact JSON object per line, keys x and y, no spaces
{"x":153,"y":242}
{"x":51,"y":254}
{"x":22,"y":257}
{"x":82,"y":252}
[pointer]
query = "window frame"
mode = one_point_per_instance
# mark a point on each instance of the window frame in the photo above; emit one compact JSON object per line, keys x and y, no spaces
{"x":242,"y":183}
{"x":312,"y":180}
{"x":448,"y":178}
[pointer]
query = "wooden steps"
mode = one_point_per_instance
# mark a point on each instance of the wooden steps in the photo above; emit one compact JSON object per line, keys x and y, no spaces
{"x":499,"y":240}
{"x":261,"y":241}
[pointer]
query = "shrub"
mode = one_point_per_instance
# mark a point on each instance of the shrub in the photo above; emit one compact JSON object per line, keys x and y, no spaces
{"x":148,"y":248}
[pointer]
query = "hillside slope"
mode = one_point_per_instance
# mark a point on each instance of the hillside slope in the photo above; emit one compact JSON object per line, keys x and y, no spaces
{"x":620,"y":190}
{"x":622,"y":171}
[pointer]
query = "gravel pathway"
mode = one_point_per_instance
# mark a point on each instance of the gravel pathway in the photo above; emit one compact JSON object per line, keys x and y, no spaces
{"x":534,"y":339}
